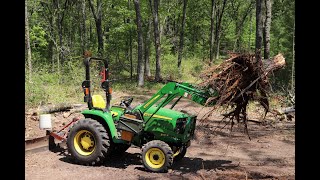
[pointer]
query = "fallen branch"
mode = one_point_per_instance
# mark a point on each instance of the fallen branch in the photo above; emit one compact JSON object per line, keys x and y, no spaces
{"x":48,"y":109}
{"x":284,"y":114}
{"x":54,"y":108}
{"x":255,"y":121}
{"x":287,"y":110}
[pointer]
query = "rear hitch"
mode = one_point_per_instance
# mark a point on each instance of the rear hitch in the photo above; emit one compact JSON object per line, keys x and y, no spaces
{"x":59,"y":135}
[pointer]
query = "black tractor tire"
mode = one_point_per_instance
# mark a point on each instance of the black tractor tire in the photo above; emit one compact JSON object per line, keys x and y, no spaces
{"x":88,"y":142}
{"x":182,"y":153}
{"x":157,"y":156}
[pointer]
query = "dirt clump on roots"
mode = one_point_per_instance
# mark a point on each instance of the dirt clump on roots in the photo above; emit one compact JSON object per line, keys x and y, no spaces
{"x":238,"y":80}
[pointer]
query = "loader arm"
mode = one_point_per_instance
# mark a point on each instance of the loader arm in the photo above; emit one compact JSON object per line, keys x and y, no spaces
{"x":175,"y":89}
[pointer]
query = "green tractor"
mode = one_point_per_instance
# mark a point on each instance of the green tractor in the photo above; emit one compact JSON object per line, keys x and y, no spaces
{"x":162,"y":133}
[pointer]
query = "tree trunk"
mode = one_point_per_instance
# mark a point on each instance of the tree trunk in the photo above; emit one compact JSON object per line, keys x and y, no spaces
{"x":147,"y":50}
{"x":130,"y":45}
{"x":235,"y":15}
{"x":90,"y":32}
{"x":130,"y":52}
{"x":263,"y":12}
{"x":59,"y":21}
{"x":259,"y":29}
{"x":194,"y":40}
{"x":54,"y":38}
{"x":52,"y":41}
{"x":267,"y":27}
{"x":61,"y":53}
{"x":49,"y":15}
{"x":212,"y":31}
{"x":50,"y":54}
{"x":53,"y":108}
{"x":79,"y":16}
{"x":28,"y":43}
{"x":218,"y":46}
{"x":117,"y":53}
{"x":83,"y":26}
{"x":174,"y":31}
{"x":204,"y":49}
{"x":239,"y":27}
{"x":155,"y":14}
{"x":293,"y":58}
{"x":100,"y":38}
{"x":250,"y":32}
{"x":183,"y":22}
{"x":218,"y":34}
{"x":58,"y":48}
{"x":97,"y":18}
{"x":140,"y":70}
{"x":237,"y":33}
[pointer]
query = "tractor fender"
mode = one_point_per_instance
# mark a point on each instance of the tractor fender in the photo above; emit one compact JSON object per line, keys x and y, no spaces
{"x":105,"y":118}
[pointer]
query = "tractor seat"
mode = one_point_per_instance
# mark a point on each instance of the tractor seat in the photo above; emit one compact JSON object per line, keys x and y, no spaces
{"x":98,"y":102}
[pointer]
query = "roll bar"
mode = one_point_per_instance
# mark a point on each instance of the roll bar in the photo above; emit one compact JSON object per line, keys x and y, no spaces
{"x":105,"y":83}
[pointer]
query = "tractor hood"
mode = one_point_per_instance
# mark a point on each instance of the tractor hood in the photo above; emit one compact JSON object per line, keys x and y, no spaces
{"x":163,"y":113}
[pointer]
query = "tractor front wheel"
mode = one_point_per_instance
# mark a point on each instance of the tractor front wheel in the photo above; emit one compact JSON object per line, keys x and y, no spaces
{"x":157,"y":156}
{"x":88,"y":142}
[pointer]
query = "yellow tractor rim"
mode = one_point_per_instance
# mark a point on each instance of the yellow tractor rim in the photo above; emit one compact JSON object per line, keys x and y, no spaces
{"x":84,"y":142}
{"x":155,"y":158}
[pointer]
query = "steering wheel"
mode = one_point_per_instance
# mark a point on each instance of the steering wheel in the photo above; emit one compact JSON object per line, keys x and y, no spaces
{"x":126,"y":102}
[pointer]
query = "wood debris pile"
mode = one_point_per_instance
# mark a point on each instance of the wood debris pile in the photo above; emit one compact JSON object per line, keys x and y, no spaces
{"x":238,"y":80}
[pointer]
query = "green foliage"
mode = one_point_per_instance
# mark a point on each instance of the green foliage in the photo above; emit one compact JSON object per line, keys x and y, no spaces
{"x":51,"y":87}
{"x":50,"y":84}
{"x":129,"y":86}
{"x":169,"y":68}
{"x":37,"y":37}
{"x":34,"y":93}
{"x":73,"y":72}
{"x":282,"y":28}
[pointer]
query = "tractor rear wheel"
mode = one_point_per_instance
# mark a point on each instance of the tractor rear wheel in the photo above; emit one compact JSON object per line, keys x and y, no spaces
{"x":88,"y":142}
{"x":157,"y":156}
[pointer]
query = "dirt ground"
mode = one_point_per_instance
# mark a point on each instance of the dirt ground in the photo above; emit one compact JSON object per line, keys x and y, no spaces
{"x":214,"y":153}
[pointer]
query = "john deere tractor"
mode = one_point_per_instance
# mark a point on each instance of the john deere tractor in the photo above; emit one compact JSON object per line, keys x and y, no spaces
{"x":162,"y":133}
